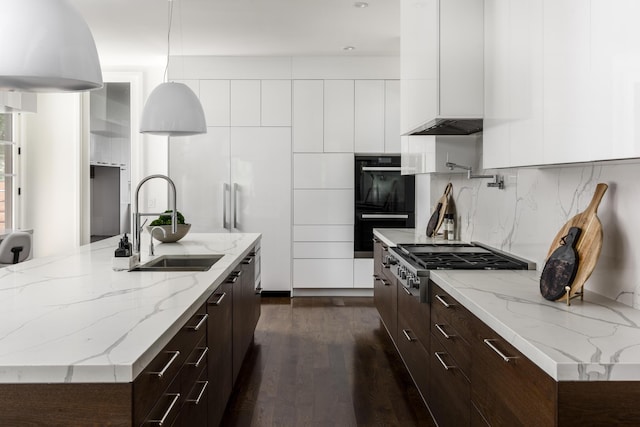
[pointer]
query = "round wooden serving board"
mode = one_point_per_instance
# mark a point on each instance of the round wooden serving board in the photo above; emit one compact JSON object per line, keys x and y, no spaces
{"x":589,"y":243}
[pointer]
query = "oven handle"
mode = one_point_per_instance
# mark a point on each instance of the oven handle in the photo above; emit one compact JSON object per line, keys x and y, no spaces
{"x":384,"y":216}
{"x":381,"y":168}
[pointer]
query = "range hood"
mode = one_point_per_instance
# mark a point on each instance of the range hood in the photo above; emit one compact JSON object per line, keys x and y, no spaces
{"x":446,"y":126}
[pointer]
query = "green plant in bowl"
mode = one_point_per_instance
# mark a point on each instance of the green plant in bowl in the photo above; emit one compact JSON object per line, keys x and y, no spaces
{"x":164,"y":222}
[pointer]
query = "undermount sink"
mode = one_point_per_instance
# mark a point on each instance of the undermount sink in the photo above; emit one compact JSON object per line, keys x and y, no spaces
{"x":179,"y":263}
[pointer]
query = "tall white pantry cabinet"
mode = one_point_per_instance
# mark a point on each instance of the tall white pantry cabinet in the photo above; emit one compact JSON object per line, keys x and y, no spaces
{"x":278,"y":159}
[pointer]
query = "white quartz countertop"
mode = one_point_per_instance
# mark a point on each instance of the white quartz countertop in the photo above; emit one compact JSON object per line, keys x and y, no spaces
{"x":397,"y":236}
{"x":72,"y":318}
{"x":597,"y":339}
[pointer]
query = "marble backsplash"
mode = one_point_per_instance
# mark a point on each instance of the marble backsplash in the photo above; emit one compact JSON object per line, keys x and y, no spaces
{"x":525,"y":216}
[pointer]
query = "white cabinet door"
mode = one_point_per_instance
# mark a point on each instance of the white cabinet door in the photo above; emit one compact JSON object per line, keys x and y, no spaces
{"x":369,"y":116}
{"x":323,"y":273}
{"x":363,"y":273}
{"x":326,"y":170}
{"x":323,"y":233}
{"x":261,"y":178}
{"x":308,"y":113}
{"x":568,"y":119}
{"x":392,"y":117}
{"x":338,"y":116}
{"x":319,"y":250}
{"x":496,"y":142}
{"x":199,"y":166}
{"x":215,"y":97}
{"x":323,"y":207}
{"x":245,"y":103}
{"x":525,"y":71}
{"x":276,"y":102}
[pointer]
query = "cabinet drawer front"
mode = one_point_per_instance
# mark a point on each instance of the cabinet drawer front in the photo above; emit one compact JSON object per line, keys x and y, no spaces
{"x":454,"y":344}
{"x":386,"y":300}
{"x":194,"y":365}
{"x":450,"y":391}
{"x":167,"y":406}
{"x":416,"y":313}
{"x":194,"y":409}
{"x":414,"y":354}
{"x":445,"y":309}
{"x":507,"y":388}
{"x":152,"y":382}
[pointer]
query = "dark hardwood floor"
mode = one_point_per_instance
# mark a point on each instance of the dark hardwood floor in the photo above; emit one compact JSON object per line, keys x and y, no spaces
{"x":323,"y":362}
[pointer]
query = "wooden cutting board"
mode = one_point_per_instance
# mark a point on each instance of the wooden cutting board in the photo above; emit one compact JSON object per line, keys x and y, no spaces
{"x":589,"y":243}
{"x":438,"y":214}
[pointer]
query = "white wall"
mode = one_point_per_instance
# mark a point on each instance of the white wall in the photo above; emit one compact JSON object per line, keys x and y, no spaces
{"x":50,"y":183}
{"x":524,"y":217}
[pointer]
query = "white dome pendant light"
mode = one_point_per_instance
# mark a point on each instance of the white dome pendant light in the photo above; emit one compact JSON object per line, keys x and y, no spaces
{"x":46,"y":47}
{"x":172,"y":109}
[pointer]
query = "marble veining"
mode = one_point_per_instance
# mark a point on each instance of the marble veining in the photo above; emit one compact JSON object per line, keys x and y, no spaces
{"x":597,"y":339}
{"x":72,"y":318}
{"x":524,"y":218}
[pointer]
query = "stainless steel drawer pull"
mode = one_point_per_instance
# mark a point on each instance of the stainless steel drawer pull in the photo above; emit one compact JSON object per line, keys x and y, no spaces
{"x":205,"y":350}
{"x":248,"y":260}
{"x":259,"y":291}
{"x":386,"y":283}
{"x":443,"y":302}
{"x":162,"y":420}
{"x":161,"y":373}
{"x":196,"y":401}
{"x":444,"y":334}
{"x":406,"y":334}
{"x":407,"y":291}
{"x":442,"y":362}
{"x":200,"y":323}
{"x":219,"y":300}
{"x":384,"y":265}
{"x":498,"y":352}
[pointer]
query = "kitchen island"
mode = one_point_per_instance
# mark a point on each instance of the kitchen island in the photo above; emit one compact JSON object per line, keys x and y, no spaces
{"x":523,"y":360}
{"x":87,"y":332}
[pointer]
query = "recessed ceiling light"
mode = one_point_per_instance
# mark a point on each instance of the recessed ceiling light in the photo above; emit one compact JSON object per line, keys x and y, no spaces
{"x":347,"y":48}
{"x":361,"y":4}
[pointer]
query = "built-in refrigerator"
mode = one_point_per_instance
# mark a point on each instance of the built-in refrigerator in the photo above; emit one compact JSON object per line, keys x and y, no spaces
{"x":238,"y":179}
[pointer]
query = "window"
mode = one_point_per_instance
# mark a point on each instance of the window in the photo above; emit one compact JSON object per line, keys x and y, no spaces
{"x":6,"y":170}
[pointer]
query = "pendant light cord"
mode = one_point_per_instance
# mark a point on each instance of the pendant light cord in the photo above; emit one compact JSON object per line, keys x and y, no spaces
{"x":166,"y":68}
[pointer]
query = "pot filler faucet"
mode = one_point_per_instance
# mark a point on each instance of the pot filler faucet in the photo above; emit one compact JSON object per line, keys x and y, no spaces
{"x":498,"y":181}
{"x":137,"y":230}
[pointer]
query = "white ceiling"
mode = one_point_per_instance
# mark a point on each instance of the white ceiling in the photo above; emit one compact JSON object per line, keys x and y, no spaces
{"x":134,"y":32}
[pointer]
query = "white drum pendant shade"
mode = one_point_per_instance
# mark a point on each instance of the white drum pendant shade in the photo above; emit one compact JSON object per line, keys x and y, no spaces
{"x":173,"y":110}
{"x":46,"y":47}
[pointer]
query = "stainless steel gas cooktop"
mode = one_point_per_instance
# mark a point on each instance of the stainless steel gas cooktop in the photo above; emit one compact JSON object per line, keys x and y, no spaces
{"x":411,"y":263}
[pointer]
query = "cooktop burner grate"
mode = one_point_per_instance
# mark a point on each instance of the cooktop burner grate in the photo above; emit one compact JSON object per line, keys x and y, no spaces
{"x":462,"y":256}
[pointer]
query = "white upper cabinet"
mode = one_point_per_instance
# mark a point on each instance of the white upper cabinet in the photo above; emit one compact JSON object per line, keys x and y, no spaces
{"x":276,"y":103}
{"x":513,"y":108}
{"x":560,"y":83}
{"x":245,"y":103}
{"x":215,"y":96}
{"x":338,"y":116}
{"x":392,"y":116}
{"x":308,"y":111}
{"x":369,"y":116}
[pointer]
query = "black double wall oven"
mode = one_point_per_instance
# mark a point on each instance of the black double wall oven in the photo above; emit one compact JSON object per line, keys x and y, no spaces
{"x":384,"y":198}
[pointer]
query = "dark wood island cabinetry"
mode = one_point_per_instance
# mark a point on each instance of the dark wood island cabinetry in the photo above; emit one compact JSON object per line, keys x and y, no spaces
{"x":187,"y":384}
